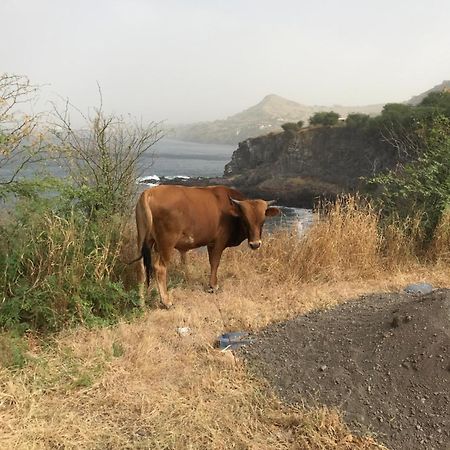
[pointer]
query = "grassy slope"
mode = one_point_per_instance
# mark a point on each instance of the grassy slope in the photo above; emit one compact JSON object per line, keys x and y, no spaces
{"x":140,"y":385}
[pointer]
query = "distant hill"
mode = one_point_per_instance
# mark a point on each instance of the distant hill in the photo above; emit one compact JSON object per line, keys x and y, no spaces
{"x":268,"y":116}
{"x":264,"y":117}
{"x":444,"y":86}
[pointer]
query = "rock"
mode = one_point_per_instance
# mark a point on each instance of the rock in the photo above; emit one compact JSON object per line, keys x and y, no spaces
{"x":418,"y":288}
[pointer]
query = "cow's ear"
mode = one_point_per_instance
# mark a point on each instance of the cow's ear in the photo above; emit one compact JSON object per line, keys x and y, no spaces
{"x":272,"y":211}
{"x":236,"y":210}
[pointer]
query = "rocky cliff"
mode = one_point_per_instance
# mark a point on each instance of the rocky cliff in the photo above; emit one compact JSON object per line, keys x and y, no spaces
{"x":296,"y":168}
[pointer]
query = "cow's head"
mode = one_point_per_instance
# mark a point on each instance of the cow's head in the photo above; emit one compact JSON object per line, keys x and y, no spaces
{"x":253,"y":214}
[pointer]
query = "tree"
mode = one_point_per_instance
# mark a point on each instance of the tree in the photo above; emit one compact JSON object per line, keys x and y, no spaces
{"x":292,"y":126}
{"x":104,"y":157}
{"x":324,"y":118}
{"x":357,"y":120}
{"x":20,"y":139}
{"x":439,"y":101}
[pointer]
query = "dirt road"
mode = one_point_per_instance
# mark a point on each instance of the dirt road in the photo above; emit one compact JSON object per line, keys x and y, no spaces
{"x":383,"y":360}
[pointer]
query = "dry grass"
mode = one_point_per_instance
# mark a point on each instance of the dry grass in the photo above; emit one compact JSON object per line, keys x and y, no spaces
{"x":440,"y":246}
{"x":140,"y":385}
{"x":344,"y":243}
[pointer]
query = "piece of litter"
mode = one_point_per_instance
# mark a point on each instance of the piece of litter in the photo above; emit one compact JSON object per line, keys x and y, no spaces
{"x":232,"y":341}
{"x":184,"y":331}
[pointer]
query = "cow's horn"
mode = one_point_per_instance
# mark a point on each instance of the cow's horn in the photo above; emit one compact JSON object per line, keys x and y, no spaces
{"x":271,"y":202}
{"x":237,"y":202}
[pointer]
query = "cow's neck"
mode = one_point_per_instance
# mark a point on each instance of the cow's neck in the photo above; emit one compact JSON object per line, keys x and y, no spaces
{"x":239,"y":232}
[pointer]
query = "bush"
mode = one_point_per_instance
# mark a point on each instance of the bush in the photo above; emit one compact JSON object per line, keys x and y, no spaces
{"x":12,"y":351}
{"x":60,"y":243}
{"x":292,"y":126}
{"x":440,"y":101}
{"x":60,"y":266}
{"x":357,"y":120}
{"x":21,"y":140}
{"x":324,"y":118}
{"x":422,"y":185}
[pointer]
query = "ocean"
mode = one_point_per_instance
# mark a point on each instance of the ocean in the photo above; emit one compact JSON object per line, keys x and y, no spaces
{"x":178,"y":158}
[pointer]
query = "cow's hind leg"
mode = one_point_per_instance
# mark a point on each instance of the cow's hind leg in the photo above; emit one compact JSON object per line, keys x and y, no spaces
{"x":183,"y":264}
{"x":141,"y":281}
{"x":161,"y":261}
{"x":144,"y":270}
{"x":183,"y":258}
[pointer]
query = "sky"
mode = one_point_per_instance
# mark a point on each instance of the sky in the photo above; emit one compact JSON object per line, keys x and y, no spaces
{"x":186,"y":61}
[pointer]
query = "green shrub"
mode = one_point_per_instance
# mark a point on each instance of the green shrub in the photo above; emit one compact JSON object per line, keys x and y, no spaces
{"x":12,"y":351}
{"x":357,"y":120}
{"x":421,"y":185}
{"x":292,"y":126}
{"x":440,"y":101}
{"x":59,"y":265}
{"x":324,"y":118}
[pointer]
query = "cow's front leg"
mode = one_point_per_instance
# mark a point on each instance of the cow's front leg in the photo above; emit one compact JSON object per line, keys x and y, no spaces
{"x":214,"y":254}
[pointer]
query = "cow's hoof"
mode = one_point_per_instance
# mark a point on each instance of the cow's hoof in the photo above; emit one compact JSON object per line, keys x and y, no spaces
{"x":167,"y":306}
{"x":212,"y":290}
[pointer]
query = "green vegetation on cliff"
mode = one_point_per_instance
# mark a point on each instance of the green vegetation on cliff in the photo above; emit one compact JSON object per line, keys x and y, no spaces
{"x":326,"y":118}
{"x":401,"y":117}
{"x":420,"y":183}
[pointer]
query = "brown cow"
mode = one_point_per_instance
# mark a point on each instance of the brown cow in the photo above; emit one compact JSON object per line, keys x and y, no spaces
{"x":184,"y":218}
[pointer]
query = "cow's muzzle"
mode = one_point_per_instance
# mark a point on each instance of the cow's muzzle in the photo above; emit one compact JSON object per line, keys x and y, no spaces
{"x":254,"y":245}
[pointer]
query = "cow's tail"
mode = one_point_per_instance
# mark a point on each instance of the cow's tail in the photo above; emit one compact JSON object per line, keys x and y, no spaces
{"x":147,"y":256}
{"x":144,"y":222}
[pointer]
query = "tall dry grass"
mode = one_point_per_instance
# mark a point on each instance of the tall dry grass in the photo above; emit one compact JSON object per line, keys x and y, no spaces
{"x":343,"y":243}
{"x":60,"y":269}
{"x":349,"y":241}
{"x":440,"y":245}
{"x":139,"y":385}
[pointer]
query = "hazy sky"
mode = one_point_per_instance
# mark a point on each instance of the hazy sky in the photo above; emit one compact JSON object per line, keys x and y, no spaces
{"x":206,"y":59}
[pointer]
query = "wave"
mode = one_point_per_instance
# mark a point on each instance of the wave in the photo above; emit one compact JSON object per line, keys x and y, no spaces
{"x":155,"y":180}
